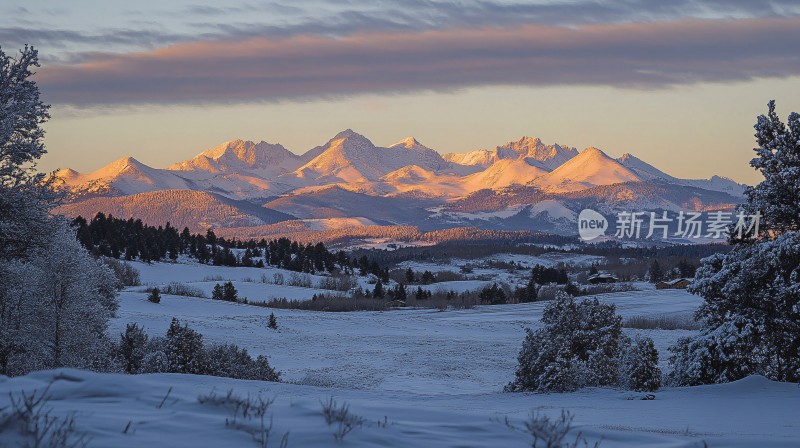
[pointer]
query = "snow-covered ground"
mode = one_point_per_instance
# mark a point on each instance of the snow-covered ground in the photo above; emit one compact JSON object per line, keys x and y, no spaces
{"x":435,"y":376}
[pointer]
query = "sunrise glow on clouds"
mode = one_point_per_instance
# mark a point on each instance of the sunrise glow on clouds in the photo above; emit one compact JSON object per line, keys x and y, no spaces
{"x":293,"y":64}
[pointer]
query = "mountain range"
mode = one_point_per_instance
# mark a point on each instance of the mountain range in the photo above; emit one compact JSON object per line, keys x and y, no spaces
{"x":521,"y":184}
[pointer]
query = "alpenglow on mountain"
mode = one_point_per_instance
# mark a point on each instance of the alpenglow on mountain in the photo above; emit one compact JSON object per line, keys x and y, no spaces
{"x":520,"y":184}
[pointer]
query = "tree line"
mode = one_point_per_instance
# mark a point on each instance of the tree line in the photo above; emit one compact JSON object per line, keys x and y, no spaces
{"x":131,"y":239}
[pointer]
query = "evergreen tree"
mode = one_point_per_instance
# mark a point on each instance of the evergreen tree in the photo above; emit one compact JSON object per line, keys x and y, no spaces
{"x":217,"y":293}
{"x":229,"y":292}
{"x":154,"y":296}
{"x":640,"y":370}
{"x":751,"y":323}
{"x":529,"y":292}
{"x":273,"y":322}
{"x":132,"y":348}
{"x":183,"y":348}
{"x":410,"y":278}
{"x":654,"y":273}
{"x":578,"y":346}
{"x":400,"y":292}
{"x":492,"y":295}
{"x":428,"y":278}
{"x":378,"y":291}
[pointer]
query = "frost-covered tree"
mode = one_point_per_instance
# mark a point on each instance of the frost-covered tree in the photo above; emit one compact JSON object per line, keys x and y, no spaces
{"x":578,"y":346}
{"x":54,"y":307}
{"x":751,"y":308}
{"x":25,"y":196}
{"x":133,"y":348}
{"x":183,"y":348}
{"x":777,"y":197}
{"x":639,"y":366}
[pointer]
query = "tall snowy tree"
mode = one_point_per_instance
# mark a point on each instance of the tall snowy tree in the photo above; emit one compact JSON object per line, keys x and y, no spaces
{"x":25,"y":195}
{"x":751,"y":309}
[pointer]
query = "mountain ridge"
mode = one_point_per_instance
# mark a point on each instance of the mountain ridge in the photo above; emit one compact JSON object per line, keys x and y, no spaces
{"x":349,"y":176}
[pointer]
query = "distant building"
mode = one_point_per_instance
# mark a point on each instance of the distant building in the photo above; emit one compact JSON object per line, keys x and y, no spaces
{"x":678,"y":283}
{"x":601,"y":278}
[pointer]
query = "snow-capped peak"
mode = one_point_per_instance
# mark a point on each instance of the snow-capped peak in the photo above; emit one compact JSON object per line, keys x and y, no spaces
{"x":589,"y":168}
{"x":238,"y":155}
{"x":409,"y":143}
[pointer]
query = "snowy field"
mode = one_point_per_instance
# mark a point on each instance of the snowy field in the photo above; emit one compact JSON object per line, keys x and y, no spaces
{"x":418,"y":377}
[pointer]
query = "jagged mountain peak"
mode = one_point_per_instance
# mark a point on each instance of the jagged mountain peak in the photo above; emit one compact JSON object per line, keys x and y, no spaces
{"x":238,"y":155}
{"x":249,"y":152}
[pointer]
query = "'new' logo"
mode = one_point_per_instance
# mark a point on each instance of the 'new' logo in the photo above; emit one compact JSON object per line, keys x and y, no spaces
{"x":591,"y":224}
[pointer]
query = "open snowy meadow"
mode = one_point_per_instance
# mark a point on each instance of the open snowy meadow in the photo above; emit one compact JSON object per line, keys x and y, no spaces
{"x":411,"y":377}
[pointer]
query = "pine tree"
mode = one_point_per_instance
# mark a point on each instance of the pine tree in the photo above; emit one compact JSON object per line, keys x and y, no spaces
{"x":378,"y":291}
{"x":578,"y":346}
{"x":132,"y":348}
{"x":639,"y":367}
{"x":428,"y":278}
{"x":528,"y":293}
{"x":410,"y":276}
{"x":654,"y":273}
{"x":273,"y":322}
{"x":183,"y":348}
{"x":400,"y":292}
{"x":217,"y":293}
{"x":154,"y":296}
{"x":751,"y":323}
{"x":229,"y":292}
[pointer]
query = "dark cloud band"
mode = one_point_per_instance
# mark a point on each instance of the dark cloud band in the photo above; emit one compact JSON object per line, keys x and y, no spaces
{"x":631,"y":55}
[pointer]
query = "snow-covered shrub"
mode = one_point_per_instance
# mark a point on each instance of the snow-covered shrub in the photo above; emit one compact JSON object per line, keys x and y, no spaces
{"x":183,"y":351}
{"x":182,"y":289}
{"x":639,"y":367}
{"x":577,"y":347}
{"x":230,"y":361}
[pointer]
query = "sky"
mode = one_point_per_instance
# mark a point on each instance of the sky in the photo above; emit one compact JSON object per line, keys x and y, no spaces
{"x":678,"y":84}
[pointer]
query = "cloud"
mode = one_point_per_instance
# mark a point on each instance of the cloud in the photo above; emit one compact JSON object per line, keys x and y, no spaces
{"x":629,"y":55}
